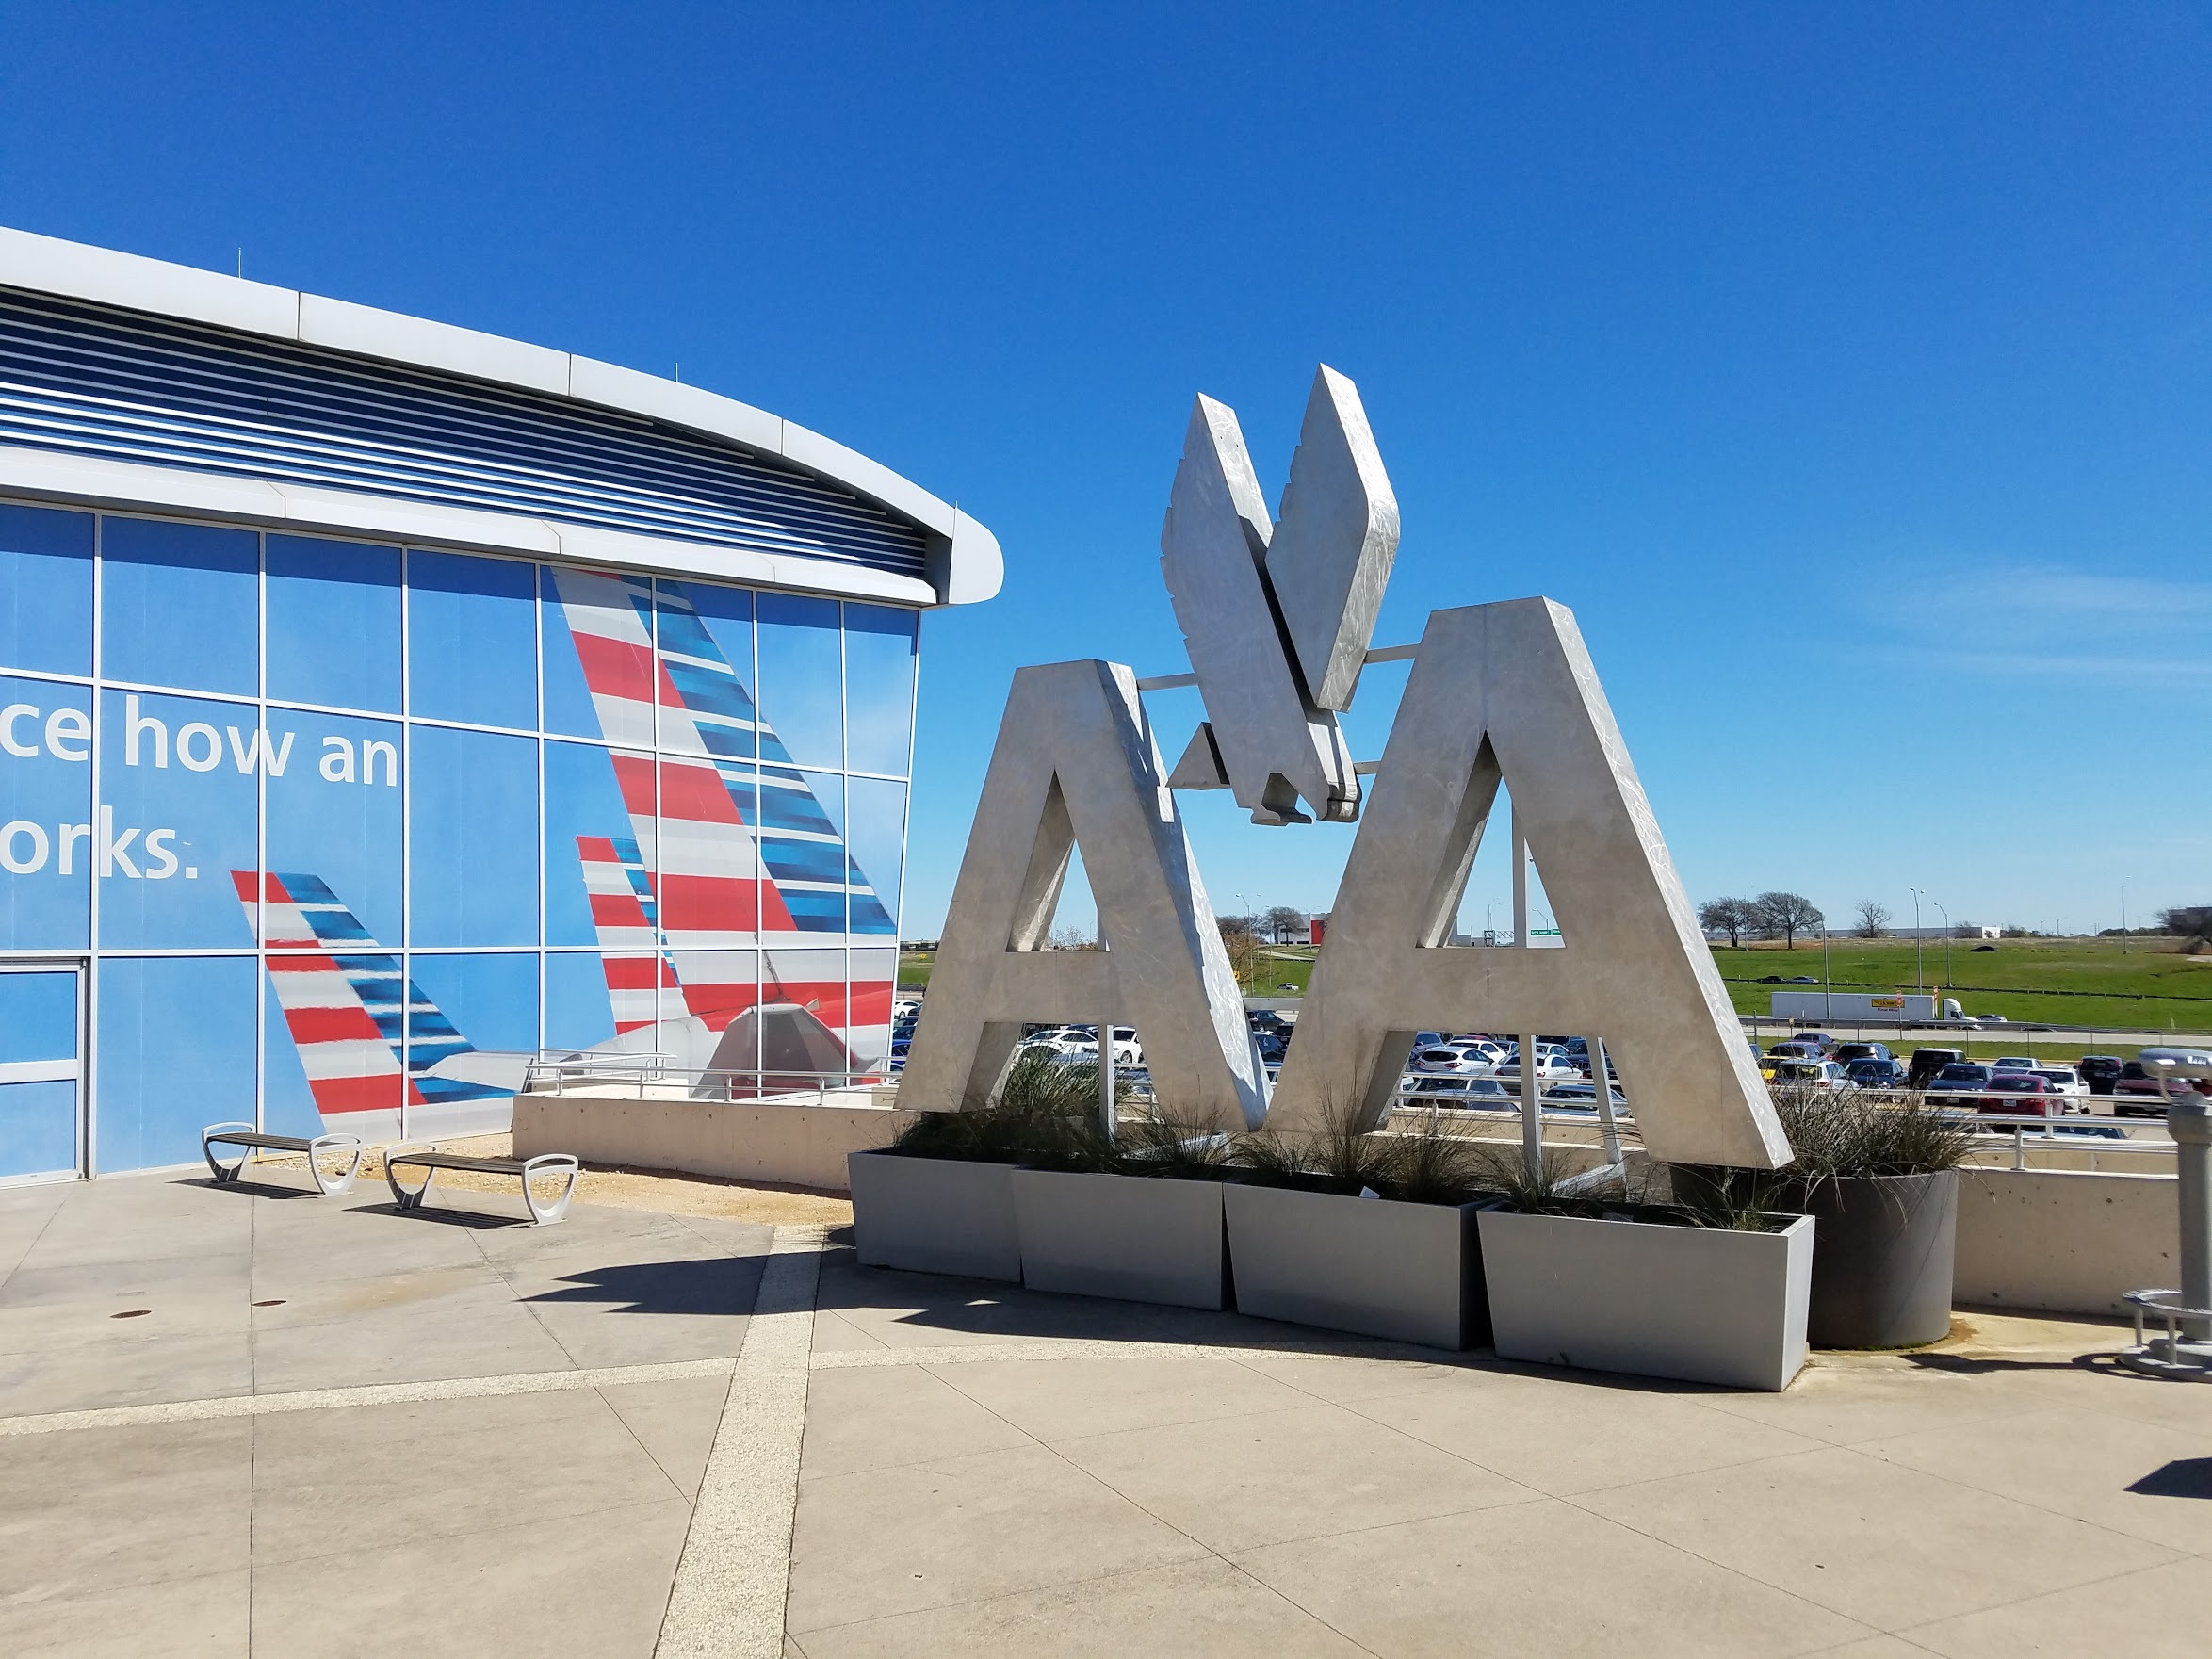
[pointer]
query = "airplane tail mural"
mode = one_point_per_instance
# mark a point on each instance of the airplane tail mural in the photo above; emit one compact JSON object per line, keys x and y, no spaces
{"x":736,"y":931}
{"x":367,"y":1037}
{"x":752,"y":870}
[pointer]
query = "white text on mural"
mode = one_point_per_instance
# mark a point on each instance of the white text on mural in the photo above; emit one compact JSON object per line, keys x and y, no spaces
{"x":28,"y":733}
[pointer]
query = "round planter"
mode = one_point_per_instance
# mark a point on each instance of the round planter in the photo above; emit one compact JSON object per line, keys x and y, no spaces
{"x":1882,"y":1254}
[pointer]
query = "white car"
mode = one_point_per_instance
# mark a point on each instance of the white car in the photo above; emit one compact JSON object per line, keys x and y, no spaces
{"x":1457,"y":1062}
{"x":2063,"y":1080}
{"x":1484,"y":1049}
{"x":1820,"y":1074}
{"x":1550,"y":1064}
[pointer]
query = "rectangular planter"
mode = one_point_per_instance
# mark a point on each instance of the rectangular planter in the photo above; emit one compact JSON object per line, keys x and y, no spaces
{"x":1141,"y":1238}
{"x":1698,"y":1304}
{"x":1409,"y":1272}
{"x":934,"y":1215}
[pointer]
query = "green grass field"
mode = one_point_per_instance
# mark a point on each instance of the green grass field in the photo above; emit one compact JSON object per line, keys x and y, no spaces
{"x":2146,"y":986}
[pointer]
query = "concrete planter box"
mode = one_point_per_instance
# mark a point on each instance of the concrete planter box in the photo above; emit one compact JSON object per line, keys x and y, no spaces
{"x":1141,"y":1238}
{"x":934,"y":1215}
{"x":1411,"y":1272}
{"x":1697,"y":1304}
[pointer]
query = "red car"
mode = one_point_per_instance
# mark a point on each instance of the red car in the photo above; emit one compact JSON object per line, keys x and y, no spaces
{"x":2021,"y":1093}
{"x":2135,"y":1090}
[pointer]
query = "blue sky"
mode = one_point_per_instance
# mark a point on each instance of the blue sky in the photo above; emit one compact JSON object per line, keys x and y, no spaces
{"x":1846,"y":369}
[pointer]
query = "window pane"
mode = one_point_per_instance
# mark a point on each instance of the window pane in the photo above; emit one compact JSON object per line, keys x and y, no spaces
{"x":718,"y":986}
{"x":472,"y":1026}
{"x":46,"y":590}
{"x":709,"y":866}
{"x":337,"y":814}
{"x":577,"y":1011}
{"x":875,"y":831}
{"x":474,"y":800}
{"x":804,"y":852}
{"x":879,"y":648}
{"x":45,"y":816}
{"x":472,"y":638}
{"x":330,"y":1044}
{"x":599,"y":655}
{"x":180,"y":605}
{"x":801,"y":689}
{"x":177,"y":1053}
{"x":869,"y":1029}
{"x":333,"y":624}
{"x":802,"y":1017}
{"x":705,"y":643}
{"x":596,"y":866}
{"x":175,"y":838}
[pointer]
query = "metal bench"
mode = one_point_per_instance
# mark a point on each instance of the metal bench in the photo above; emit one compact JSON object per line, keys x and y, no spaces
{"x":429,"y":1161}
{"x":248,"y":1139}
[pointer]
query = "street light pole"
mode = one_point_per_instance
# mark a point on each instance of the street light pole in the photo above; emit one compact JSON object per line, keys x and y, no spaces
{"x":2124,"y":919}
{"x":1919,"y":981}
{"x":1948,"y":931}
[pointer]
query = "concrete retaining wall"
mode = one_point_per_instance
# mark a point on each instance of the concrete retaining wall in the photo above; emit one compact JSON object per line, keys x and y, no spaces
{"x":2057,"y":1241}
{"x":798,"y":1145}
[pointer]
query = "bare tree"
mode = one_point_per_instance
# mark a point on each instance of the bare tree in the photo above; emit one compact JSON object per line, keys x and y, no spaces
{"x":1284,"y":919}
{"x":1242,"y":944}
{"x":1787,"y":914}
{"x":1733,"y":917}
{"x":1874,"y":919}
{"x":1069,"y":937}
{"x":2187,"y":921}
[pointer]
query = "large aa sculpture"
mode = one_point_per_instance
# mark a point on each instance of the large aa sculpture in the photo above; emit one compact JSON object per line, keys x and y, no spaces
{"x":1278,"y":617}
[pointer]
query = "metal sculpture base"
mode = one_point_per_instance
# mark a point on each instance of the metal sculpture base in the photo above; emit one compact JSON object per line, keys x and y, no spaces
{"x":2173,"y":1357}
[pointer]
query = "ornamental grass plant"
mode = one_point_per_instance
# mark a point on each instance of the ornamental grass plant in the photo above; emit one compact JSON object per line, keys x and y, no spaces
{"x":1426,"y":1162}
{"x":1046,"y":1113}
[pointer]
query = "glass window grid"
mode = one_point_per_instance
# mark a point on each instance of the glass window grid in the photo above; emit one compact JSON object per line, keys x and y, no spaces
{"x":98,"y":683}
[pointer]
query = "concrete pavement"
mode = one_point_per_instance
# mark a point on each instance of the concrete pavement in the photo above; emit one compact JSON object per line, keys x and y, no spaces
{"x":338,"y":1430}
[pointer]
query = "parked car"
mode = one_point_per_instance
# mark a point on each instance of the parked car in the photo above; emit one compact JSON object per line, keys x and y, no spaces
{"x":1963,"y":1077}
{"x":2137,"y":1093}
{"x":1929,"y":1063}
{"x":2014,"y":1062}
{"x":1819,"y":1040}
{"x":1485,"y":1049}
{"x":1848,"y":1052}
{"x":1877,"y":1073}
{"x":1820,"y":1074}
{"x":2099,"y":1071}
{"x":1583,"y":1091}
{"x":2063,"y":1080}
{"x":1445,"y":1059}
{"x":1271,"y":1048}
{"x":1547,"y":1067}
{"x":1796,"y":1051}
{"x":2020,"y":1093}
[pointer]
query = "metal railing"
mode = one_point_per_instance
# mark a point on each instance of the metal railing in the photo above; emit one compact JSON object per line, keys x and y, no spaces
{"x":774,"y":1085}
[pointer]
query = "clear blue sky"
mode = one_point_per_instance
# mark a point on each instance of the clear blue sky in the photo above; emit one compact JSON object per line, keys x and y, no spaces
{"x":1848,"y":369}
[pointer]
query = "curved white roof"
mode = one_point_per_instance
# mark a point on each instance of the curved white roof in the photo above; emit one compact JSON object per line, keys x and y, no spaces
{"x":965,"y":566}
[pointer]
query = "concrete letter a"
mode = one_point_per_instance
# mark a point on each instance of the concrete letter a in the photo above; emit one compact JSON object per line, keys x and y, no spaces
{"x":1077,"y":765}
{"x":1508,"y":690}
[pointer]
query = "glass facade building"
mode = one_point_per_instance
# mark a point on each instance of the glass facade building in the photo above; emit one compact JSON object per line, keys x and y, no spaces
{"x":326,"y":829}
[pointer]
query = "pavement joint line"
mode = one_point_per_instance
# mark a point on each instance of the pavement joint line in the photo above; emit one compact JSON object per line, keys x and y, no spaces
{"x":976,"y":1353}
{"x":733,"y":1579}
{"x":401,"y":1394}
